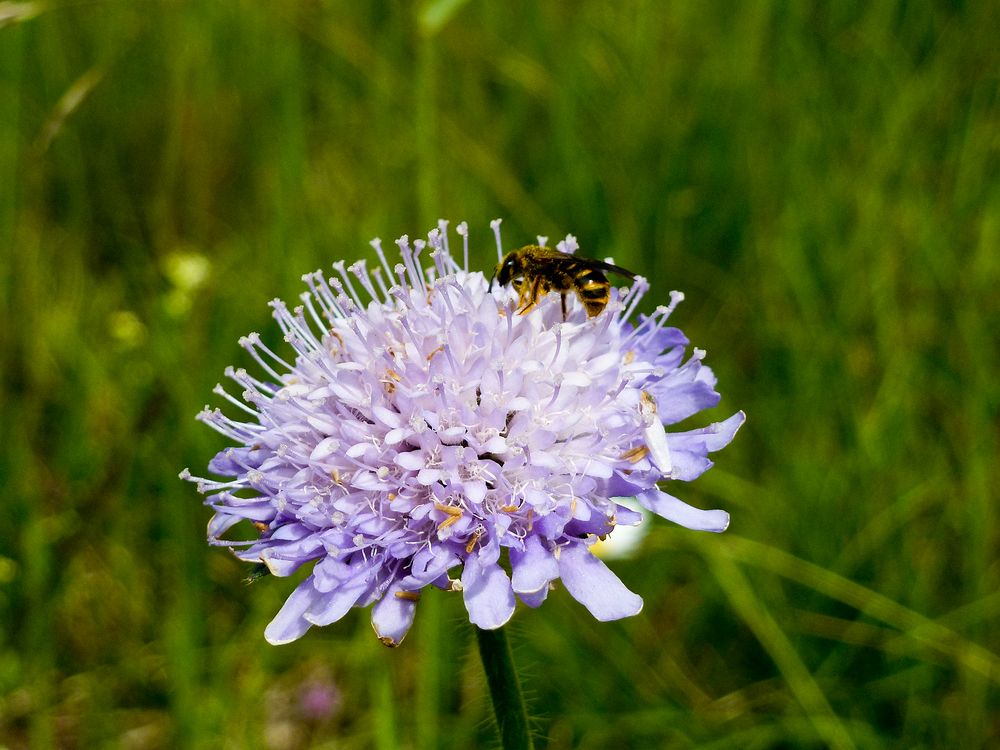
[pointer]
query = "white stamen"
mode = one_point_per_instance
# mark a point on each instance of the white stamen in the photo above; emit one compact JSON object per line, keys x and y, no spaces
{"x":656,"y":436}
{"x":443,"y":234}
{"x":377,"y":245}
{"x":360,"y":270}
{"x":307,"y":300}
{"x":220,"y":391}
{"x":418,"y":247}
{"x":463,"y":231}
{"x":632,"y":297}
{"x":495,"y":226}
{"x":339,"y":266}
{"x":404,"y":248}
{"x":401,"y":272}
{"x":377,"y":273}
{"x":250,"y":343}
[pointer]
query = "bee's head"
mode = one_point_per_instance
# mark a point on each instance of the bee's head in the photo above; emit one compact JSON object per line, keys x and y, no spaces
{"x":507,"y":269}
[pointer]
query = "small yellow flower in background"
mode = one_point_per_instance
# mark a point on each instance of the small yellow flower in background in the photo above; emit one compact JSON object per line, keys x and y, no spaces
{"x":187,"y":271}
{"x":8,"y":569}
{"x":126,"y":328}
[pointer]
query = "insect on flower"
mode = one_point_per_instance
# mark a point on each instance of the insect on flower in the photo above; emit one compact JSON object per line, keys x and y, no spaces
{"x":534,"y":271}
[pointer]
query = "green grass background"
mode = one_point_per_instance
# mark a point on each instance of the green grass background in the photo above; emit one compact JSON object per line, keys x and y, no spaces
{"x":821,"y":179}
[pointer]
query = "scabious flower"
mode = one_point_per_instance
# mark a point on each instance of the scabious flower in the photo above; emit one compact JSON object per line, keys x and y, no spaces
{"x":421,"y":427}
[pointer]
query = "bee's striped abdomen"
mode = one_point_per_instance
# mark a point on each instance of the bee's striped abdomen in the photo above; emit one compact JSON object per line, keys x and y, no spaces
{"x":592,"y":288}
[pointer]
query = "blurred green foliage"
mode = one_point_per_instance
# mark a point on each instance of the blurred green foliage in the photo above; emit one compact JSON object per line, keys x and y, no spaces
{"x":821,"y":179}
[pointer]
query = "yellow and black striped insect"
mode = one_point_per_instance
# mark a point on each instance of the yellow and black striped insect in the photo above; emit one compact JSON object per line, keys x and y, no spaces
{"x":535,"y":271}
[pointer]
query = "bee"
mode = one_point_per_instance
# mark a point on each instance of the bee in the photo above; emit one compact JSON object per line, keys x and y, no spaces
{"x":535,"y":271}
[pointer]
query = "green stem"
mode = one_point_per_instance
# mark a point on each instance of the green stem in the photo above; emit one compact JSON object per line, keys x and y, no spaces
{"x":508,"y":705}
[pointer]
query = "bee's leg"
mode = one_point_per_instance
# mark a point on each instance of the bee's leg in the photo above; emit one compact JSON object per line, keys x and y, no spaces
{"x":523,"y":296}
{"x":532,"y":295}
{"x":518,"y":287}
{"x":562,"y":298}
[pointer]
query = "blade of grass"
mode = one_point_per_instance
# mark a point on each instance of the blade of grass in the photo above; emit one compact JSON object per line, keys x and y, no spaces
{"x":935,"y":635}
{"x":807,"y":692}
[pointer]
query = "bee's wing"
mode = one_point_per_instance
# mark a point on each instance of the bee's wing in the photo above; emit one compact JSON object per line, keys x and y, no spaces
{"x":610,"y":267}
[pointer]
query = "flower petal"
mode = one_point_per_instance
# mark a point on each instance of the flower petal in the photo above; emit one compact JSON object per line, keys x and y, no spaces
{"x":659,"y":450}
{"x":681,"y":401}
{"x":533,"y":568}
{"x":429,"y":564}
{"x":626,"y":516}
{"x":708,"y":439}
{"x":689,"y":466}
{"x":412,"y":460}
{"x":535,"y":598}
{"x":328,"y":608}
{"x":324,"y":448}
{"x":679,"y":512}
{"x":392,"y":617}
{"x":591,"y":582}
{"x":280,"y":566}
{"x":289,"y":624}
{"x":220,"y":523}
{"x":488,"y":595}
{"x":474,"y":490}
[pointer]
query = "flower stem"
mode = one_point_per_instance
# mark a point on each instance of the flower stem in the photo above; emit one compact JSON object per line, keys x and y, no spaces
{"x":505,"y":690}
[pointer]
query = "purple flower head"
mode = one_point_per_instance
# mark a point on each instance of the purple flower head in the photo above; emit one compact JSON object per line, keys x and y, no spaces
{"x":319,"y":699}
{"x":420,"y":427}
